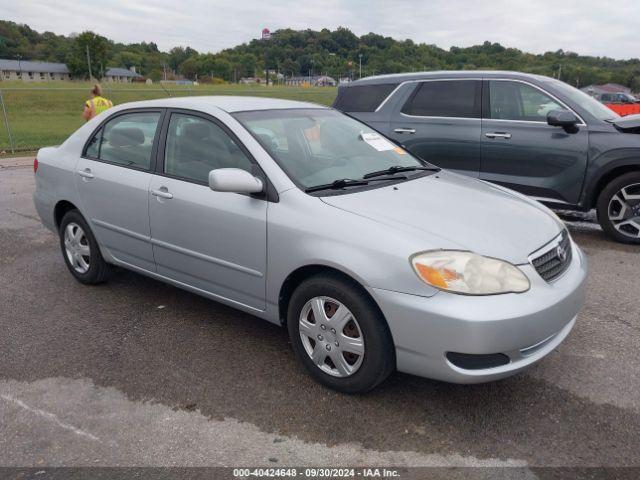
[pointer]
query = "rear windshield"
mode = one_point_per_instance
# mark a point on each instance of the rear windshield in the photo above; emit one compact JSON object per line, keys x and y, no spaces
{"x":362,"y":98}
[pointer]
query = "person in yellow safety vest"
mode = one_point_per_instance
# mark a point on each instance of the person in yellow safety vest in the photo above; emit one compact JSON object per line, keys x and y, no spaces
{"x":97,"y":104}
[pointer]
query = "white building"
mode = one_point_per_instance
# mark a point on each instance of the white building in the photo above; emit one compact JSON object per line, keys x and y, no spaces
{"x":29,"y":71}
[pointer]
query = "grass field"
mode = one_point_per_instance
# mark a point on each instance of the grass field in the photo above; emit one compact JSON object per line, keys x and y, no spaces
{"x":47,"y":113}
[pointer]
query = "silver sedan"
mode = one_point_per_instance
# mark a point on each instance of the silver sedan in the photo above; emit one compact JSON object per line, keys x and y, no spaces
{"x":373,"y":259}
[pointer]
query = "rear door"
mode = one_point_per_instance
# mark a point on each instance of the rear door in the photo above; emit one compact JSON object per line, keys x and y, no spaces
{"x":521,"y":151}
{"x":440,"y":122}
{"x":112,"y":179}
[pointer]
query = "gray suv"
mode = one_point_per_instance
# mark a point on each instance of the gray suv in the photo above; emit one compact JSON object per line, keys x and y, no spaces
{"x":530,"y":133}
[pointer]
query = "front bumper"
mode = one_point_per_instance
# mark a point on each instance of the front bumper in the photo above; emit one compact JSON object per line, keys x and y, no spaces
{"x":525,"y":326}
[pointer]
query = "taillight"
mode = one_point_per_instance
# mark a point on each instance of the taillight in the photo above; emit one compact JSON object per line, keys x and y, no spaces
{"x":35,"y":165}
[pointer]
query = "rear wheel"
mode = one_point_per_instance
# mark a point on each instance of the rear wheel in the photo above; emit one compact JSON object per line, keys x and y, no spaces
{"x":339,"y":335}
{"x":619,"y":208}
{"x":80,"y":250}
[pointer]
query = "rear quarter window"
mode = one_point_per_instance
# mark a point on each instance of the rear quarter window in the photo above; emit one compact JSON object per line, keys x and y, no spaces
{"x":362,"y":98}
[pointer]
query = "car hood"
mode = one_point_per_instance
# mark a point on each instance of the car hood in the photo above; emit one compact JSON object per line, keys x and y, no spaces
{"x":450,"y":211}
{"x":630,"y":123}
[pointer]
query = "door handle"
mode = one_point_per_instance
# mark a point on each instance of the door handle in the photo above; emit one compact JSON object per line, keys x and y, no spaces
{"x":405,"y":130}
{"x":86,"y":173}
{"x":162,"y":193}
{"x":504,"y":135}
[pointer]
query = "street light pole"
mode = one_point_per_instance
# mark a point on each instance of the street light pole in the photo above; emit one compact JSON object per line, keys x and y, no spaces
{"x":360,"y":59}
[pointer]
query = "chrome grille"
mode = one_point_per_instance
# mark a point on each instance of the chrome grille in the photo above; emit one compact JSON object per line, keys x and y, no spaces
{"x":554,"y":259}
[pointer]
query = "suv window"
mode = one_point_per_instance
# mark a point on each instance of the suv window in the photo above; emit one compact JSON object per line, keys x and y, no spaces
{"x":445,"y":98}
{"x":362,"y":98}
{"x":126,"y":140}
{"x":519,"y":101}
{"x":195,"y":146}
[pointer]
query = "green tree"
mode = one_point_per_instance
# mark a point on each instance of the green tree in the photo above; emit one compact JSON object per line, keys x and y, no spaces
{"x":98,"y":48}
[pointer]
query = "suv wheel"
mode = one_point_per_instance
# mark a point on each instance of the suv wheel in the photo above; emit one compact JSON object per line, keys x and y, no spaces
{"x":619,"y":208}
{"x":339,"y":336}
{"x":80,"y":250}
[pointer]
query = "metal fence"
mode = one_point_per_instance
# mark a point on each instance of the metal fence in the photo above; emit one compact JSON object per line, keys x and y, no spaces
{"x":37,"y":116}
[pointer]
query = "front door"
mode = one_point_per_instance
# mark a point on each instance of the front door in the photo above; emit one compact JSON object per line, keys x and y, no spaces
{"x":440,"y":123}
{"x":521,"y":151}
{"x":113,"y":179}
{"x":213,"y":241}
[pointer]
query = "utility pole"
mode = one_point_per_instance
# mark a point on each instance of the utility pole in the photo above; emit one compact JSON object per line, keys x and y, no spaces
{"x":89,"y":63}
{"x":19,"y":65}
{"x":360,"y":59}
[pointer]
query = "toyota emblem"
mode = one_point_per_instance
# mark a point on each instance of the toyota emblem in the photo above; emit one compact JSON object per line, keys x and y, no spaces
{"x":562,"y":253}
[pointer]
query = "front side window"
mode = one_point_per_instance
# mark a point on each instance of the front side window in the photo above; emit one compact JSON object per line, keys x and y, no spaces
{"x":317,"y":146}
{"x":195,"y":146}
{"x":126,"y":140}
{"x":445,"y":98}
{"x":519,"y":101}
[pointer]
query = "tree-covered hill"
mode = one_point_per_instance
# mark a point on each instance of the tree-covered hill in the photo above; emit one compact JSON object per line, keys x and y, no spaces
{"x":305,"y":52}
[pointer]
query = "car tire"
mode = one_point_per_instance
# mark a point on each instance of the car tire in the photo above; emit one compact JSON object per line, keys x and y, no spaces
{"x":614,"y":207}
{"x":361,"y":327}
{"x":80,"y":250}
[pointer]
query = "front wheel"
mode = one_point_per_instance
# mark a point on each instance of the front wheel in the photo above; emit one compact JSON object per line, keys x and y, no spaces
{"x":618,"y":208}
{"x":339,"y":335}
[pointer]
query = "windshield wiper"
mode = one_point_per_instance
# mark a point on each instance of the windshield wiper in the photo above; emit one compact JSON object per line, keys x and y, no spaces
{"x":337,"y":185}
{"x":397,"y":169}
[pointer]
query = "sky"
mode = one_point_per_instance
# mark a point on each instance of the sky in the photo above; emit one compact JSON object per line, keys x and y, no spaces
{"x":589,"y":27}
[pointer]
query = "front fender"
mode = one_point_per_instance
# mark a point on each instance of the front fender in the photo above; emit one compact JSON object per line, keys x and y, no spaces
{"x":606,"y":167}
{"x":306,"y":231}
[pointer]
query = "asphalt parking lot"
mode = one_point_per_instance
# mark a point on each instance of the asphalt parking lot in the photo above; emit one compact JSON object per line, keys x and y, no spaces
{"x":135,"y":372}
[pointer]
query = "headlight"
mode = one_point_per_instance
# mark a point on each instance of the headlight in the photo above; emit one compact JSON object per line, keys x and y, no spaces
{"x":468,"y":273}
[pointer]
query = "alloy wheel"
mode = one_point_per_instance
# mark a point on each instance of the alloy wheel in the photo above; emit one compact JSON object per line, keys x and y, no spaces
{"x":624,"y":211}
{"x":76,"y":246}
{"x":331,"y":336}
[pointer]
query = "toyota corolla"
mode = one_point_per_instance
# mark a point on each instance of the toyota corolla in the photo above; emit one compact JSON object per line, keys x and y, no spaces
{"x":373,"y":259}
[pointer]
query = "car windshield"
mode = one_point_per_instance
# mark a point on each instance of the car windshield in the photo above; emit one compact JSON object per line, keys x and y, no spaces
{"x":587,"y":102}
{"x":320,"y":146}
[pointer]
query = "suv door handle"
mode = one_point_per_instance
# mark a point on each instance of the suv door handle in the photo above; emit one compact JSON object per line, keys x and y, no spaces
{"x":86,"y":173}
{"x":405,"y":130}
{"x":162,"y":193}
{"x":504,"y":135}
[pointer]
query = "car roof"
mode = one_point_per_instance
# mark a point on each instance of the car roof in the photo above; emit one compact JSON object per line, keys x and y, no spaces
{"x":228,"y":103}
{"x":407,"y":77}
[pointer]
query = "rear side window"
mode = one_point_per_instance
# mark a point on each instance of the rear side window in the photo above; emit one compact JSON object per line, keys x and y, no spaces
{"x":126,"y":140}
{"x":447,"y":98}
{"x":362,"y":98}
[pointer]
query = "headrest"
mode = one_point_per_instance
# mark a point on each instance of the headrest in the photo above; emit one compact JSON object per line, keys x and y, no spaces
{"x":196,"y":130}
{"x":333,"y":136}
{"x":126,"y":137}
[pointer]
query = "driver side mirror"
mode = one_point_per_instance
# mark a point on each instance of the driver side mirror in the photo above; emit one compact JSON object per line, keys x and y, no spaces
{"x":234,"y":180}
{"x":564,"y":119}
